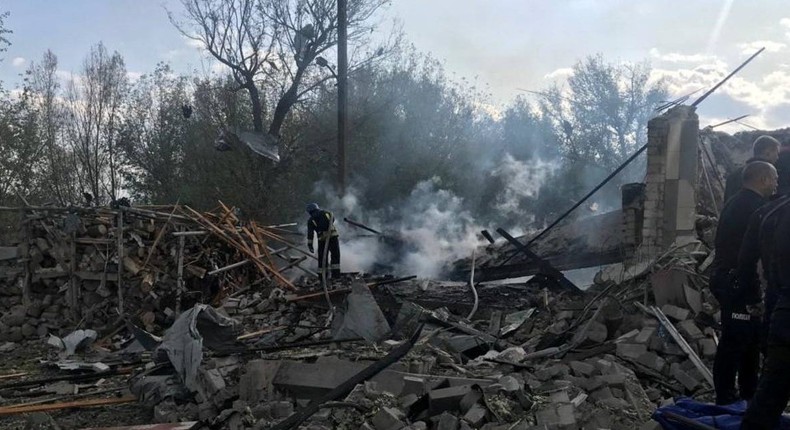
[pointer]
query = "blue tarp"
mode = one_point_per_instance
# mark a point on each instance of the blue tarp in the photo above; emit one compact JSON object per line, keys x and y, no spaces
{"x":721,"y":417}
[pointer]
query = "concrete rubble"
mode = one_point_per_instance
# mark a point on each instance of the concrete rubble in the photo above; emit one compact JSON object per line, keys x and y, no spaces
{"x":459,"y":375}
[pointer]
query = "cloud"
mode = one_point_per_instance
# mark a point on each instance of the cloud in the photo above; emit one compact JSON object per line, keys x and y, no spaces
{"x":134,"y":76}
{"x":676,"y":57}
{"x":18,"y":62}
{"x":561,"y":73}
{"x":193,"y":43}
{"x":752,"y":47}
{"x":763,"y":97}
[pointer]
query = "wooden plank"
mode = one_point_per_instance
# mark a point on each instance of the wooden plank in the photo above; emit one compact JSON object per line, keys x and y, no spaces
{"x":13,"y":375}
{"x":67,"y":405}
{"x":262,"y":267}
{"x":96,"y":276}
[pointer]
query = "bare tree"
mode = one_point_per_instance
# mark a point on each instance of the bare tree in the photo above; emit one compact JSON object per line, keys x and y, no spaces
{"x":57,"y":178}
{"x":272,"y":40}
{"x":94,"y":103}
{"x":239,"y":35}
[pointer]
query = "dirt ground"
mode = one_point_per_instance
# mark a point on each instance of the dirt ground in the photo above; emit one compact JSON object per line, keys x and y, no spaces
{"x":26,"y":358}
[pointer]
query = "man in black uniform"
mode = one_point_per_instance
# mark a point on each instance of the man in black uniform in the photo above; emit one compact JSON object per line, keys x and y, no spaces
{"x":773,"y":390}
{"x":755,"y":247}
{"x":322,"y":224}
{"x":739,"y":348}
{"x":765,"y":148}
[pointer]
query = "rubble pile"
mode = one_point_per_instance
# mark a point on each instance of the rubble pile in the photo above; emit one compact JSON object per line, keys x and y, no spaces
{"x":372,"y":352}
{"x":67,"y":262}
{"x":603,"y":359}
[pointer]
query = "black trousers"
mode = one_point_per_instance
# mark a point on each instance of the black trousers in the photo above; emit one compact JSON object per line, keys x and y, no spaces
{"x":773,"y":390}
{"x":738,"y":353}
{"x":329,"y":252}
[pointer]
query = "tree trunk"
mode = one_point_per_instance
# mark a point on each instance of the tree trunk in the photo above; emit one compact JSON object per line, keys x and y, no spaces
{"x":257,"y":109}
{"x":285,"y":103}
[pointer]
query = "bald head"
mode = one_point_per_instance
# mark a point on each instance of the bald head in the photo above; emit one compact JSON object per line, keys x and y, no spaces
{"x":761,"y":177}
{"x":766,"y":148}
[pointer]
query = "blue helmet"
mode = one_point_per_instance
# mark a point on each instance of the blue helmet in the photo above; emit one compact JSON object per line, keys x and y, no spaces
{"x":312,"y":207}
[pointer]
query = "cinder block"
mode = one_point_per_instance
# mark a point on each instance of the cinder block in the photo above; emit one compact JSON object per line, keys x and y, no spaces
{"x":447,"y":399}
{"x":689,"y":330}
{"x":388,"y":419}
{"x":675,"y":313}
{"x":476,"y":415}
{"x":613,"y":380}
{"x":630,"y":350}
{"x":447,"y":421}
{"x":652,"y":361}
{"x":581,"y":368}
{"x":684,"y":378}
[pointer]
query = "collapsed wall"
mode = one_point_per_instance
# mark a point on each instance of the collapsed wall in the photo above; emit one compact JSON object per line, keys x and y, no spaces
{"x":93,"y":266}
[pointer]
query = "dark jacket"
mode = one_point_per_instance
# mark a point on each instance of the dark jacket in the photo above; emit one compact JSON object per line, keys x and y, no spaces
{"x":758,"y":245}
{"x":735,"y":180}
{"x":320,"y":223}
{"x":733,"y":222}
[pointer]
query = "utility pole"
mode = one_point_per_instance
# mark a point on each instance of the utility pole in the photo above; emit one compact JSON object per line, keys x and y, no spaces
{"x":342,"y":92}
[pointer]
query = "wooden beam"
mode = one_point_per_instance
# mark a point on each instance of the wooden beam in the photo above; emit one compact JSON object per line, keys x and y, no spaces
{"x":5,"y":411}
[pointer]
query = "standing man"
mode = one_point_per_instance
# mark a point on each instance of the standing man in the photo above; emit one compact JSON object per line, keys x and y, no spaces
{"x":756,"y":247}
{"x":739,"y":348}
{"x":322,"y":223}
{"x":765,"y":148}
{"x":773,"y":390}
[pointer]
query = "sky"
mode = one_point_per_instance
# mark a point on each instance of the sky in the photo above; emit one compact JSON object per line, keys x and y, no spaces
{"x":502,"y":45}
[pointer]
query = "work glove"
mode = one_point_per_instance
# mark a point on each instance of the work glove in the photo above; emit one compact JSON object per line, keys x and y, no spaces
{"x":310,"y":248}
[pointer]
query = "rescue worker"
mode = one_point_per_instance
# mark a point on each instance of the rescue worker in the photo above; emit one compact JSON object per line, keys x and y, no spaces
{"x":773,"y":390}
{"x":738,"y":352}
{"x":765,"y":148}
{"x":322,"y":224}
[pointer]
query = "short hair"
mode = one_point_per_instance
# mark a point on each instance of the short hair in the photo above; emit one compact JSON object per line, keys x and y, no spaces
{"x":763,"y":143}
{"x":756,"y":170}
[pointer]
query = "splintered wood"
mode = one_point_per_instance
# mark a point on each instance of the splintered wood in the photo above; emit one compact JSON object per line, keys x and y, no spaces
{"x":142,"y":260}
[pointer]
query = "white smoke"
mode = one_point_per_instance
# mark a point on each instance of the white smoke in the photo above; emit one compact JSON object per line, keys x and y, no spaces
{"x":433,"y":225}
{"x":522,"y":180}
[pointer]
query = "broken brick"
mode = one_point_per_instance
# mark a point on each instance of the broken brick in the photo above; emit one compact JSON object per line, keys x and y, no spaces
{"x":684,"y":378}
{"x":447,"y":399}
{"x":689,"y":330}
{"x":387,"y":419}
{"x":630,"y":350}
{"x":580,"y":368}
{"x":653,"y":361}
{"x":675,"y":313}
{"x":476,"y":415}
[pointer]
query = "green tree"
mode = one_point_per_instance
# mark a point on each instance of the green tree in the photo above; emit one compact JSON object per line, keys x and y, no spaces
{"x":601,"y":118}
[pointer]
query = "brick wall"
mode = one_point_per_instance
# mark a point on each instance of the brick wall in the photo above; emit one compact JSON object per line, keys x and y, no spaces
{"x":670,"y":183}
